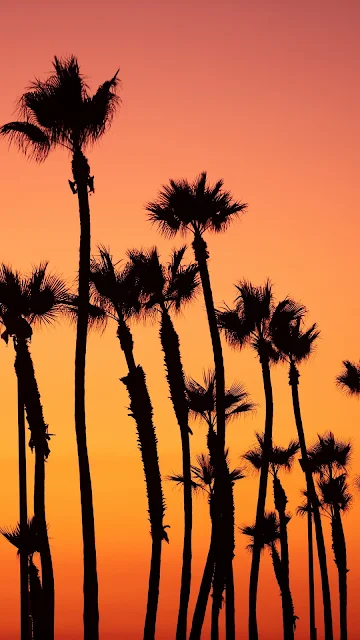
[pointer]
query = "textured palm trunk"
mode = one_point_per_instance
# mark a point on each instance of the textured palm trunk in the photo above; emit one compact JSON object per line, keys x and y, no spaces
{"x":205,"y":587}
{"x":81,"y":175}
{"x":24,"y":562}
{"x":339,"y":547}
{"x":175,"y":377}
{"x":280,"y":501}
{"x":36,"y":604}
{"x":226,"y":537}
{"x":294,"y":382}
{"x":141,"y":411}
{"x":311,"y":575}
{"x":279,"y":574}
{"x":260,"y":509}
{"x":31,"y":398}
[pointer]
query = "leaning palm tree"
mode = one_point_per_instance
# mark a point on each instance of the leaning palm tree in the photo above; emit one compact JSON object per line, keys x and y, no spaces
{"x":202,"y":404}
{"x":249,"y":323}
{"x":60,"y":112}
{"x":198,"y":207}
{"x":329,"y":459}
{"x":306,"y":509}
{"x":280,"y":458}
{"x":27,"y":302}
{"x":349,"y":378}
{"x":295,"y":343}
{"x":166,"y":289}
{"x":117,"y":293}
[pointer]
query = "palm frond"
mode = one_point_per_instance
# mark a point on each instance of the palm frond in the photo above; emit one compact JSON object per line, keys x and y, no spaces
{"x":48,"y":294}
{"x":349,"y":378}
{"x":99,"y":110}
{"x":29,"y":138}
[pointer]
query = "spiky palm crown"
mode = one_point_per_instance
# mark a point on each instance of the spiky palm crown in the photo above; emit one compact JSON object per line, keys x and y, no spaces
{"x":288,"y":334}
{"x":279,"y":457}
{"x":270,"y":531}
{"x":203,"y":473}
{"x":171,"y":285}
{"x":329,"y":455}
{"x":30,"y":300}
{"x":349,"y":378}
{"x":334,"y":493}
{"x":196,"y":206}
{"x":61,"y":111}
{"x":30,"y":541}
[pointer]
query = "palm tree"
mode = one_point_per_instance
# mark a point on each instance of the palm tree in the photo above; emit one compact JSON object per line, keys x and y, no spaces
{"x":306,"y":508}
{"x":117,"y":293}
{"x":198,"y":207}
{"x":250,"y":323}
{"x":349,"y":378}
{"x":280,"y":458}
{"x":202,"y":404}
{"x":28,"y":544}
{"x":60,"y":112}
{"x":295,"y":343}
{"x":329,"y":459}
{"x":24,"y":302}
{"x":165,"y":289}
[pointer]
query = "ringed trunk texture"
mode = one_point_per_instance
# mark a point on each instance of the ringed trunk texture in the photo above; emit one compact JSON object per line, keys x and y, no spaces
{"x":260,"y":509}
{"x":81,"y":174}
{"x":311,"y":575}
{"x":294,"y":382}
{"x":24,"y":561}
{"x":39,"y":441}
{"x":175,"y":377}
{"x":141,"y":411}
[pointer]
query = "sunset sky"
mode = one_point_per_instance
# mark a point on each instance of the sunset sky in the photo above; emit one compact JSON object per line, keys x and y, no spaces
{"x":266,"y":95}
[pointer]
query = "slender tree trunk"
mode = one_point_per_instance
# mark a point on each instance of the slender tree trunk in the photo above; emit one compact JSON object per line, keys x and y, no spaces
{"x":230,"y":603}
{"x":280,"y":501}
{"x":202,"y":600}
{"x":311,"y":575}
{"x":39,"y":440}
{"x":24,"y":562}
{"x":81,"y":173}
{"x":141,"y":411}
{"x":255,"y":564}
{"x":339,"y":547}
{"x":294,"y":382}
{"x":278,"y":570}
{"x":36,"y":603}
{"x":175,"y":376}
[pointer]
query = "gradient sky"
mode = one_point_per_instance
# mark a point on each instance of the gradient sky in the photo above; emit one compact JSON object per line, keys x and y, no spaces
{"x":265,"y":95}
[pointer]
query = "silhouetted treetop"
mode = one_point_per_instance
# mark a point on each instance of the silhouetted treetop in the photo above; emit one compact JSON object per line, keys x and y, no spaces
{"x":349,"y":378}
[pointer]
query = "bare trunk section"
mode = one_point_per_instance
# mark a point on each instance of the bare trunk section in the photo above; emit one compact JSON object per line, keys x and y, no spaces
{"x":24,"y":561}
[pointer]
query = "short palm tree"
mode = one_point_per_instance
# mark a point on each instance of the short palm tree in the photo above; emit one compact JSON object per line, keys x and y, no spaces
{"x":117,"y":293}
{"x":166,"y":289}
{"x":349,"y":378}
{"x":280,"y":458}
{"x":249,"y":323}
{"x":202,"y":404}
{"x":329,"y":459}
{"x":306,"y":509}
{"x":199,"y":207}
{"x":296,"y":343}
{"x":60,"y":112}
{"x":27,"y":302}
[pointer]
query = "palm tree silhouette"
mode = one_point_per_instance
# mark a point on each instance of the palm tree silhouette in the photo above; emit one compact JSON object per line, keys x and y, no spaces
{"x":28,"y":544}
{"x":250,"y":323}
{"x":306,"y":509}
{"x":60,"y":112}
{"x":25,"y":302}
{"x":165,"y":289}
{"x":280,"y":458}
{"x":295,"y":343}
{"x":349,"y":378}
{"x":118,"y":294}
{"x":202,"y":404}
{"x":329,"y":459}
{"x":199,"y":207}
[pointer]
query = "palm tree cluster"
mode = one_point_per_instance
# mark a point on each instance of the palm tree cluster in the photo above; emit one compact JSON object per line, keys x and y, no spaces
{"x":60,"y":111}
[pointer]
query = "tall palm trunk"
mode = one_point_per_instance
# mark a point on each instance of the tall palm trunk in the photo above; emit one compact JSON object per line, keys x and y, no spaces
{"x":141,"y":411}
{"x":201,"y":257}
{"x":339,"y":547}
{"x":36,"y":603}
{"x":311,"y":575}
{"x":280,"y":501}
{"x":39,"y":440}
{"x":279,"y":574}
{"x":175,"y":376}
{"x":260,"y":509}
{"x":204,"y":591}
{"x":24,"y":560}
{"x":310,"y":487}
{"x":81,"y":173}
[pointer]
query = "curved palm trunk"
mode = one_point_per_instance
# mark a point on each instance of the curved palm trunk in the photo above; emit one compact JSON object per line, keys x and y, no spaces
{"x":24,"y":561}
{"x":339,"y":547}
{"x":36,"y":603}
{"x":310,"y":487}
{"x":279,"y":574}
{"x":280,"y":501}
{"x":175,"y":377}
{"x":260,"y":509}
{"x":81,"y":173}
{"x":311,"y":575}
{"x":226,"y":540}
{"x":39,"y":440}
{"x":205,"y":587}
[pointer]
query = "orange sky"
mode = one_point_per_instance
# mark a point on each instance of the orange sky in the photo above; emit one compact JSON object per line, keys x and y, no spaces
{"x":265,"y":95}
